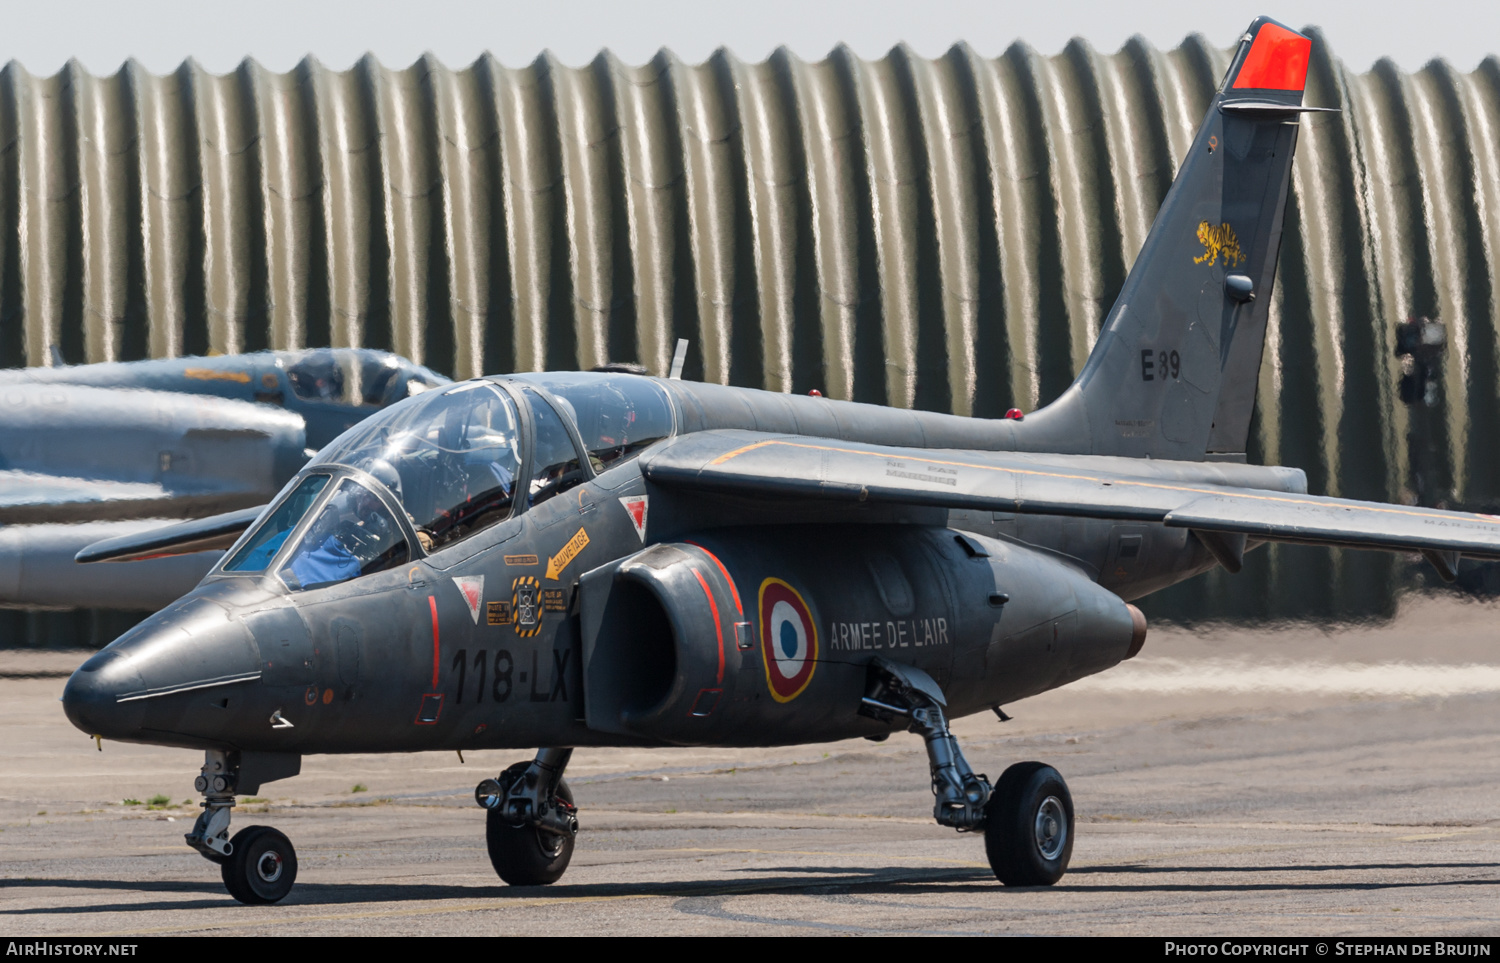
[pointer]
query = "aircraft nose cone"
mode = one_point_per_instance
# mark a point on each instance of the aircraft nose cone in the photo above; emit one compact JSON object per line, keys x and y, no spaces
{"x":153,"y":683}
{"x":91,"y":698}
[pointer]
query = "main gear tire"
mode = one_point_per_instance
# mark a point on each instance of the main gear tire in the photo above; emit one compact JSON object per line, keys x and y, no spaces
{"x":1028,"y":828}
{"x":525,"y":855}
{"x":262,"y":868}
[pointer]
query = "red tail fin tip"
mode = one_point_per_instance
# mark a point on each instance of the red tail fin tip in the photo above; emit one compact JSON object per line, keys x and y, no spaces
{"x":1277,"y":60}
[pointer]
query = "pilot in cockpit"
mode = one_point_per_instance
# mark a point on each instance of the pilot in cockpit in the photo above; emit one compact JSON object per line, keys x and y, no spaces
{"x":353,"y":534}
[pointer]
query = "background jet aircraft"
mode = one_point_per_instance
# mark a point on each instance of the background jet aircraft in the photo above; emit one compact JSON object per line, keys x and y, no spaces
{"x":609,"y":559}
{"x":96,"y":451}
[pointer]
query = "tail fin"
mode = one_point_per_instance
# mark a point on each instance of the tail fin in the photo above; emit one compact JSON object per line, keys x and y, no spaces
{"x":1175,"y":369}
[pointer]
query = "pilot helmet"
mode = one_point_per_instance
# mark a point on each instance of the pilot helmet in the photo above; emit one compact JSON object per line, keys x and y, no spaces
{"x":386,"y":473}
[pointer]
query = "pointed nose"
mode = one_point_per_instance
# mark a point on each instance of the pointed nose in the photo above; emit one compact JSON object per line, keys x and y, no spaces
{"x":150,"y":684}
{"x":92,"y":697}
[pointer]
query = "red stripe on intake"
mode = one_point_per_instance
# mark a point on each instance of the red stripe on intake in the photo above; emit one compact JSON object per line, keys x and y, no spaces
{"x":432,"y":604}
{"x":718,"y":629}
{"x":732,"y":590}
{"x":1277,"y":60}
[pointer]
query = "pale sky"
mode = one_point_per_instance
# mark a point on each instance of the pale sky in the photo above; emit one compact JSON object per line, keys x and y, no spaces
{"x":278,"y":33}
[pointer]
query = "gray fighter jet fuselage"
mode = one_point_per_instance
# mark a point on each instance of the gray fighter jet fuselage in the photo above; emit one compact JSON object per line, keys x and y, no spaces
{"x":590,"y":559}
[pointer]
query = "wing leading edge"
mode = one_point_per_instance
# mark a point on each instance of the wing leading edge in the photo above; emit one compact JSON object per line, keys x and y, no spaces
{"x":794,"y":467}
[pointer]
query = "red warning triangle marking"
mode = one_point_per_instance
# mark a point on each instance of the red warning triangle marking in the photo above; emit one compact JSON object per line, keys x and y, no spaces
{"x":471,"y":587}
{"x":635,"y":507}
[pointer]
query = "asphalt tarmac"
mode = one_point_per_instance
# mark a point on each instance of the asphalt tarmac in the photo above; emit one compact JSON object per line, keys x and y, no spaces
{"x":1232,"y":782}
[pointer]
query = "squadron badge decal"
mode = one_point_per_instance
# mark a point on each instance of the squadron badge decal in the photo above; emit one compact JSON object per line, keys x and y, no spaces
{"x":526,"y":606}
{"x":1218,"y":242}
{"x":788,"y":639}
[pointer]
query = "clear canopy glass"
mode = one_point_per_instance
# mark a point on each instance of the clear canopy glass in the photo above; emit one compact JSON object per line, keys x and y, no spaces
{"x":256,"y":554}
{"x":618,"y":415}
{"x":353,"y":534}
{"x":450,"y":457}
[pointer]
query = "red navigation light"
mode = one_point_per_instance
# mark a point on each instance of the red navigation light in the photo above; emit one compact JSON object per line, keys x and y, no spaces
{"x":1015,"y":414}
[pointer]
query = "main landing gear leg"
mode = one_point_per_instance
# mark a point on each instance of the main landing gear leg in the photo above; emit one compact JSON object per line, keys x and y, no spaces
{"x":530,"y":820}
{"x":892,"y":690}
{"x":259,"y":864}
{"x":1027,"y":818}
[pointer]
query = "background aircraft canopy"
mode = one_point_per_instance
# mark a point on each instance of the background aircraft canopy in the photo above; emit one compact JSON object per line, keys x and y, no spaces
{"x":350,"y":377}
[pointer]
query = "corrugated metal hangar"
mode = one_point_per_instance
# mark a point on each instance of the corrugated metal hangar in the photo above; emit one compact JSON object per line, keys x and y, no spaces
{"x":945,"y":234}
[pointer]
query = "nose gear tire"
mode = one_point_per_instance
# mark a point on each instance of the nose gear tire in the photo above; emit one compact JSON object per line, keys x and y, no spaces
{"x":1028,"y":829}
{"x":262,"y":868}
{"x":525,"y":855}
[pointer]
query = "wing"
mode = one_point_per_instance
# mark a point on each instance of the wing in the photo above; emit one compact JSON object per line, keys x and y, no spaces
{"x":215,"y":533}
{"x":796,"y":467}
{"x":32,"y":498}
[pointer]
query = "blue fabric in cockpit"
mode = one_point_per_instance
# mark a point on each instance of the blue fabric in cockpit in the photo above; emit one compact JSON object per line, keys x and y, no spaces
{"x":329,"y":562}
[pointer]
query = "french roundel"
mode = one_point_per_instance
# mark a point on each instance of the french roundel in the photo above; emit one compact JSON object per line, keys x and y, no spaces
{"x":788,"y":639}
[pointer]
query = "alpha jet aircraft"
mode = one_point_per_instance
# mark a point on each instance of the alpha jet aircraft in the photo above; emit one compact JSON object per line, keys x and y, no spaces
{"x":573,"y":560}
{"x":89,"y":452}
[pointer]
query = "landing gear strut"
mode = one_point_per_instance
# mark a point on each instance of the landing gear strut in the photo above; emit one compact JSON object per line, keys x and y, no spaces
{"x":530,"y":820}
{"x":1027,"y":817}
{"x":258,"y":865}
{"x":892,"y":690}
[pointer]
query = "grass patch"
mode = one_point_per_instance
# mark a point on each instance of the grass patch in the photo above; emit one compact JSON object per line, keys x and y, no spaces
{"x":254,"y":799}
{"x":158,"y":801}
{"x":130,"y":802}
{"x":360,"y":787}
{"x":363,"y":803}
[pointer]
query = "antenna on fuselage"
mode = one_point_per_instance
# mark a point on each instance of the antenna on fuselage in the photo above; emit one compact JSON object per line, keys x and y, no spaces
{"x":679,"y":358}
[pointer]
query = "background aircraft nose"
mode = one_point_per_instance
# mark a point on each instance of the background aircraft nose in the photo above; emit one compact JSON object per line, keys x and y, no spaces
{"x":91,"y":697}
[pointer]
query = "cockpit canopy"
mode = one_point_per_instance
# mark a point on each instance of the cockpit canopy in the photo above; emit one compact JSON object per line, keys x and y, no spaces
{"x":450,"y":460}
{"x":617,"y":415}
{"x":350,"y":376}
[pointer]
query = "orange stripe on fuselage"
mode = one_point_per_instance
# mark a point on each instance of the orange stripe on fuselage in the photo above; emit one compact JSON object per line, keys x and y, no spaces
{"x":718,"y":628}
{"x":432,"y":605}
{"x":732,"y":589}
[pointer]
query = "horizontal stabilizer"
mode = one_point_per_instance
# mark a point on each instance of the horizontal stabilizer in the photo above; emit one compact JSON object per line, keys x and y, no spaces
{"x":211,"y":534}
{"x":1263,"y":503}
{"x":33,"y":497}
{"x":1337,"y":521}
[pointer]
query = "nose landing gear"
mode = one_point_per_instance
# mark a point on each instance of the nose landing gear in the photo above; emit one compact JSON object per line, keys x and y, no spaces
{"x":530,"y":819}
{"x":258,"y":865}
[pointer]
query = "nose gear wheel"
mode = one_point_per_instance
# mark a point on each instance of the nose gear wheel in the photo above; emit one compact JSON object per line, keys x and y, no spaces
{"x":261,"y":868}
{"x":530,"y":819}
{"x":527,"y":855}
